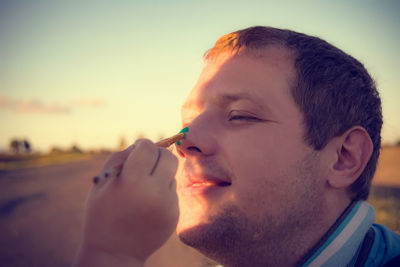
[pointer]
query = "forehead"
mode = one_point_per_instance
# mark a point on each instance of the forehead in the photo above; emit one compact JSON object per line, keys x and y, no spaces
{"x":261,"y":79}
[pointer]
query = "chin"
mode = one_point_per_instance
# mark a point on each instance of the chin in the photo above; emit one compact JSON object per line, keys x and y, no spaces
{"x":222,"y":238}
{"x":213,"y":235}
{"x":206,"y":239}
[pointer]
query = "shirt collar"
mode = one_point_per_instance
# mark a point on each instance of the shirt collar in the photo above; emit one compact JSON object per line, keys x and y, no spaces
{"x":339,"y":245}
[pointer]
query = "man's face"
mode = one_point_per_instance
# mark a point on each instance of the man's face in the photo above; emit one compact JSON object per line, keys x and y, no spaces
{"x":245,"y":169}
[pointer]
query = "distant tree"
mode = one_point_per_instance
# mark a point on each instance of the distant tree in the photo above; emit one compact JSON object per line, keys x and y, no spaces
{"x":27,"y":146}
{"x":76,"y":149}
{"x":20,"y":146}
{"x":55,"y":150}
{"x":15,"y":146}
{"x":398,"y":143}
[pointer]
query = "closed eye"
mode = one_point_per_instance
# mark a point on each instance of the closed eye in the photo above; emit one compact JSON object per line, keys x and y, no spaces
{"x":242,"y":116}
{"x":245,"y":118}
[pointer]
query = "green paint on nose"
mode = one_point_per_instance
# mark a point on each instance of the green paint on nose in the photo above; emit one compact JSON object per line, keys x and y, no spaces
{"x":184,"y":130}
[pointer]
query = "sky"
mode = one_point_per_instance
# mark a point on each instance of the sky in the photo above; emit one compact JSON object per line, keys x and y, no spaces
{"x":89,"y":73}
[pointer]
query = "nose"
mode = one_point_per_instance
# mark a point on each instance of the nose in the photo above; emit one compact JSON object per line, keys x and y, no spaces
{"x":200,"y":140}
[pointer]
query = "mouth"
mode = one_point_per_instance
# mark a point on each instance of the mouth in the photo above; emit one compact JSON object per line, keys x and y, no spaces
{"x":208,"y":183}
{"x":200,"y":184}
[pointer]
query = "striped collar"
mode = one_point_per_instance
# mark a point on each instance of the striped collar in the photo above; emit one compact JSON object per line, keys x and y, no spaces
{"x":340,"y":245}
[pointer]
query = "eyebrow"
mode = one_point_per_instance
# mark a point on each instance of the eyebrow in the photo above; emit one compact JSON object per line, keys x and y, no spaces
{"x":227,"y":99}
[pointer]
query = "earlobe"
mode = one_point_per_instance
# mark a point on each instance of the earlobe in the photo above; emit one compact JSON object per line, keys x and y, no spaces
{"x":354,"y":149}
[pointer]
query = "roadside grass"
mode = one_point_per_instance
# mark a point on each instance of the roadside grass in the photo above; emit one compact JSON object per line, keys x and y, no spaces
{"x":386,"y":201}
{"x":13,"y":162}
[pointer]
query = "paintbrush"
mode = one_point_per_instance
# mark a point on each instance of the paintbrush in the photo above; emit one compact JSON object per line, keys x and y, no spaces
{"x":116,"y":170}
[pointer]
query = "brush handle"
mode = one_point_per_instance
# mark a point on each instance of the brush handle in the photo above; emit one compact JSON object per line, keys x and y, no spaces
{"x":116,"y":170}
{"x":170,"y":140}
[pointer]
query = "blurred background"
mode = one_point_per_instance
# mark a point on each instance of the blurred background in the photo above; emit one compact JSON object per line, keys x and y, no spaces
{"x":80,"y":79}
{"x":89,"y":73}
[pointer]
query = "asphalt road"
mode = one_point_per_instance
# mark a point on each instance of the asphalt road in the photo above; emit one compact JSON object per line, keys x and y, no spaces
{"x":41,"y":214}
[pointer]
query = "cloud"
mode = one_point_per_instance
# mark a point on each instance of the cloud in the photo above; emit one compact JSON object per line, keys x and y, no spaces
{"x":31,"y":106}
{"x":36,"y":106}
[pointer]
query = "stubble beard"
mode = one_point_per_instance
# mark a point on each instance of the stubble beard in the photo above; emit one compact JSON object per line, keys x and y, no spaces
{"x":225,"y":237}
{"x":233,"y":239}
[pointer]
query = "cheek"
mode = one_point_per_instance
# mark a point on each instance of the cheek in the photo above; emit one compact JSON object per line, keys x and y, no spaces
{"x":262,"y":173}
{"x":253,"y":175}
{"x":252,"y":159}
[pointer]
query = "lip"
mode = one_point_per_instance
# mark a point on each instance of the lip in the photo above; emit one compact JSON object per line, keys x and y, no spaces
{"x":203,"y":184}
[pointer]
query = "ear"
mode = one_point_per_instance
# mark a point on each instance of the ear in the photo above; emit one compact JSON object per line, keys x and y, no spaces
{"x":353,"y":150}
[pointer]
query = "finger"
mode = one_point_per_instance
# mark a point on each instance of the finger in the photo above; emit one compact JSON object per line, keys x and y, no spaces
{"x":113,"y":166}
{"x":141,"y":160}
{"x":166,"y":167}
{"x":156,"y":163}
{"x":118,"y":158}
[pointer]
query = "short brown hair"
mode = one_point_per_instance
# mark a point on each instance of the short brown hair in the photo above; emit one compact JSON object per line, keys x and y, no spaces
{"x":333,"y":90}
